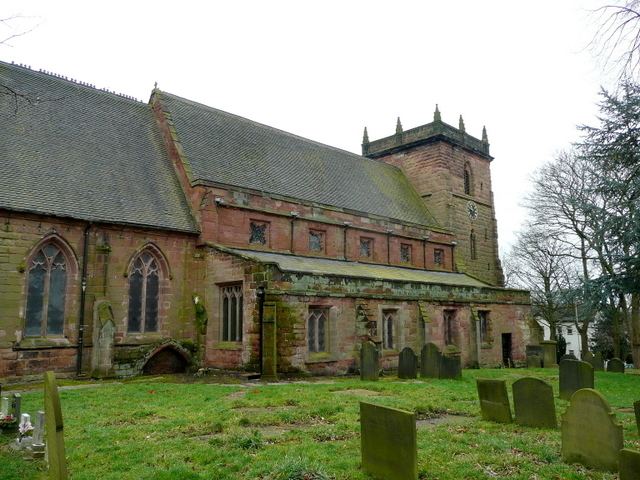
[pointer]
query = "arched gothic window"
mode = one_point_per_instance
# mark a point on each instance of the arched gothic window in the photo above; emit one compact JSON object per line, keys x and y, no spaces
{"x":472,"y":245}
{"x":46,"y":288}
{"x":467,"y":180}
{"x":144,"y":293}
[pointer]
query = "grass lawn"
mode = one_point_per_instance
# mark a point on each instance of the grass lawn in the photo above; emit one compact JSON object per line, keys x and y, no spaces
{"x":160,"y":428}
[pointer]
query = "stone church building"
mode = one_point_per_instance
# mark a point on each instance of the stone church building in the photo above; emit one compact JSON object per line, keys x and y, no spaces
{"x":153,"y":237}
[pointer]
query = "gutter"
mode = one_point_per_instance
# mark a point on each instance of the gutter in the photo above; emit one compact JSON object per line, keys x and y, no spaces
{"x":83,"y":297}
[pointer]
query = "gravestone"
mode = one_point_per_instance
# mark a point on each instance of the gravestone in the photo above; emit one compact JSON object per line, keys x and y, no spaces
{"x":574,"y":375}
{"x":568,"y":356}
{"x":533,"y":403}
{"x":430,"y":357}
{"x":16,"y":406}
{"x":534,"y":350}
{"x":37,"y":442}
{"x":388,"y":442}
{"x":103,"y":336}
{"x":590,"y":434}
{"x":5,"y":409}
{"x":549,"y":357}
{"x":451,"y":366}
{"x":494,"y":401}
{"x":587,"y":356}
{"x":615,"y":365}
{"x":636,"y":408}
{"x":407,"y":364}
{"x":598,"y":362}
{"x":629,"y":464}
{"x":54,"y":429}
{"x":369,"y":363}
{"x":534,"y":361}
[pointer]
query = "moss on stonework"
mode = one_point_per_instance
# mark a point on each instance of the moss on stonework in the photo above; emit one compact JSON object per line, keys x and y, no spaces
{"x":286,"y":319}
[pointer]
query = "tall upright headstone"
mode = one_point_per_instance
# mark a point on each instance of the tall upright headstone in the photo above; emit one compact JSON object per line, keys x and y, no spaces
{"x":494,"y":401}
{"x":590,"y":434}
{"x":451,"y":366}
{"x":430,"y":358}
{"x":54,"y":429}
{"x":388,"y":442}
{"x":369,"y":362}
{"x":533,"y":403}
{"x":574,"y":375}
{"x":615,"y":365}
{"x":549,"y":359}
{"x":629,"y":464}
{"x":407,"y":364}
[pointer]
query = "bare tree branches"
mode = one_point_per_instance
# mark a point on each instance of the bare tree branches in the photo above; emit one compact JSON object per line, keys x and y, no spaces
{"x":618,"y":38}
{"x":14,"y":28}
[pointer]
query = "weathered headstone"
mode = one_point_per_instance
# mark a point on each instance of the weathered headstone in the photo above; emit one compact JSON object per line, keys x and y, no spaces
{"x":407,"y":363}
{"x":5,"y":408}
{"x":37,"y":442}
{"x":568,"y":356}
{"x":54,"y":429}
{"x":534,"y":350}
{"x":534,"y":361}
{"x":369,"y":362}
{"x":533,"y":403}
{"x":388,"y":442}
{"x":430,"y":357}
{"x":16,"y":406}
{"x":549,"y":358}
{"x":451,"y":366}
{"x":615,"y":365}
{"x":103,"y":336}
{"x":636,"y":408}
{"x":629,"y":464}
{"x":574,"y":375}
{"x":598,"y":362}
{"x":587,"y":356}
{"x":590,"y":434}
{"x":494,"y":401}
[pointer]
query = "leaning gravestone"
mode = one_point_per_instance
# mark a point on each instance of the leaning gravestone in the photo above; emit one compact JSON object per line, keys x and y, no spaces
{"x":450,"y":366}
{"x":636,"y":407}
{"x":533,"y":403}
{"x":615,"y":365}
{"x":574,"y":375}
{"x":494,"y":401}
{"x":407,"y":364}
{"x":54,"y":429}
{"x":430,"y":358}
{"x":369,"y":364}
{"x":388,"y":442}
{"x":629,"y":464}
{"x":534,"y":361}
{"x":590,"y":434}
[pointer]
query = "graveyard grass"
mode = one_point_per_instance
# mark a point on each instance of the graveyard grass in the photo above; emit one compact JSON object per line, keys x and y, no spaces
{"x":163,"y":428}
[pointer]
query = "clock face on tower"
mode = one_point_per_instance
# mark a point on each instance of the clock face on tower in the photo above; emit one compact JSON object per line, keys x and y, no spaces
{"x":472,"y":210}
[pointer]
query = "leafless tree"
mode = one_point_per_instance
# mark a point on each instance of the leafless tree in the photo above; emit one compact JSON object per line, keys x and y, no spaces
{"x":618,"y":38}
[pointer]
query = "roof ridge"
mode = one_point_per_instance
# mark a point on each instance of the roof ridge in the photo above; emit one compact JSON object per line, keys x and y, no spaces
{"x":269,"y":127}
{"x":72,"y":81}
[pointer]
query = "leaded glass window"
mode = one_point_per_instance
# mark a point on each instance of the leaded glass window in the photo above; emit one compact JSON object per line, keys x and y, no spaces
{"x":366,"y":247}
{"x":317,"y":329}
{"x":46,"y":288}
{"x":438,"y":256}
{"x":144,"y":294}
{"x":388,"y":320}
{"x":316,"y":241}
{"x":258,"y":233}
{"x":231,"y":313}
{"x":405,"y":253}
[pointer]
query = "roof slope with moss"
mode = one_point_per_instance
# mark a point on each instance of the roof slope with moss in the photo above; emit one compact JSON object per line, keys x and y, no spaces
{"x":226,"y":149}
{"x":71,"y":150}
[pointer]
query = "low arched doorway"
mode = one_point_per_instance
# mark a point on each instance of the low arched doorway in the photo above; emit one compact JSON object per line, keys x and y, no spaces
{"x":166,"y":360}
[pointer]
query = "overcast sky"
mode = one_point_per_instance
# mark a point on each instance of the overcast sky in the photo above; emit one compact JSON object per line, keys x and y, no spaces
{"x":324,"y":70}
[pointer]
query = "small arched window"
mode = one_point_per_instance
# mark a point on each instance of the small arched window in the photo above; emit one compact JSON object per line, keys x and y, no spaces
{"x":144,"y":293}
{"x":472,"y":246}
{"x":467,"y":179}
{"x":46,"y":288}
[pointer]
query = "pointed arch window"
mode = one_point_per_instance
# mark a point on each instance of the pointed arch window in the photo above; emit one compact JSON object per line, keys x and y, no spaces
{"x":144,"y":293}
{"x":46,"y":289}
{"x":472,"y":246}
{"x":231,"y":313}
{"x":467,"y":180}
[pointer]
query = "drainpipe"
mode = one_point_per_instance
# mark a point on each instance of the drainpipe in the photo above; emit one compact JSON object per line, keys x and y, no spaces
{"x":83,"y":296}
{"x":344,"y":239}
{"x":260,"y":294}
{"x":478,"y":339}
{"x":424,"y":250}
{"x":453,"y":258}
{"x":389,"y":232}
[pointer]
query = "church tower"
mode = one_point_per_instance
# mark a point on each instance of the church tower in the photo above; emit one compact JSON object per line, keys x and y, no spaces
{"x":451,"y":170}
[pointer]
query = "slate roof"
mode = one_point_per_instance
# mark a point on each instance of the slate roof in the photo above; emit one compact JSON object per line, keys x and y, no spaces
{"x":74,"y":151}
{"x":341,"y":268}
{"x":226,"y":149}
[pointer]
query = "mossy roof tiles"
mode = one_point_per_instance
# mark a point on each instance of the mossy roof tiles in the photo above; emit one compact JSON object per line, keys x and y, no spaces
{"x":227,"y":149}
{"x":74,"y":151}
{"x":341,"y":268}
